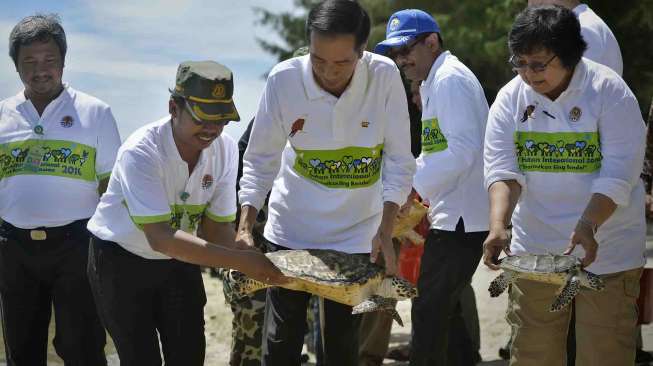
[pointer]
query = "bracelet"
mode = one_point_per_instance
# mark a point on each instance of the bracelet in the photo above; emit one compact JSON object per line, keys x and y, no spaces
{"x":583,"y":220}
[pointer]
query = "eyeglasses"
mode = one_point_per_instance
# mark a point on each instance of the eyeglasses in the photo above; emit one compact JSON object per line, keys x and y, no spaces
{"x":535,"y":67}
{"x":200,"y":122}
{"x":407,"y":49}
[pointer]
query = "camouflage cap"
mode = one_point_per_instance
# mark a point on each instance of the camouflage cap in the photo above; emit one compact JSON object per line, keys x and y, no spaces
{"x":208,"y":89}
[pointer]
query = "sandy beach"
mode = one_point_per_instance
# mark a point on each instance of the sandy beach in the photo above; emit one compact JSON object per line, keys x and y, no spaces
{"x":491,"y":311}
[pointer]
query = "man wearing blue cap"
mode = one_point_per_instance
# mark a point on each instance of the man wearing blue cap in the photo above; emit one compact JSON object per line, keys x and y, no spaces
{"x":450,"y":176}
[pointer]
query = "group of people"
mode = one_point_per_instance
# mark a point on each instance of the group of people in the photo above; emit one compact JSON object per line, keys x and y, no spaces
{"x":113,"y":235}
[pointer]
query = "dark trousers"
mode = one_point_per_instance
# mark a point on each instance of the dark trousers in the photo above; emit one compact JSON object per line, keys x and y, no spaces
{"x":138,"y":298}
{"x":37,"y":275}
{"x":449,"y":261}
{"x":285,"y":326}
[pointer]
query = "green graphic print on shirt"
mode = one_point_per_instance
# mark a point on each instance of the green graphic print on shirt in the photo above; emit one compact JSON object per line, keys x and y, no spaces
{"x":181,"y":217}
{"x":558,"y":152}
{"x":350,"y":167}
{"x":432,"y":138}
{"x":48,"y":157}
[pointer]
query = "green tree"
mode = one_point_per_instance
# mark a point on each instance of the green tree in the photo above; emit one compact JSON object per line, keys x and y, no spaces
{"x":476,"y":31}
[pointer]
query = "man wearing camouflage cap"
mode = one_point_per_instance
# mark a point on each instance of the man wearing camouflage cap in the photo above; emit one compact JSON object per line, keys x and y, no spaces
{"x":171,"y":178}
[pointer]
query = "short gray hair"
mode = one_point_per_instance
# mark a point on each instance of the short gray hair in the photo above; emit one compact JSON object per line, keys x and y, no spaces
{"x":39,"y":27}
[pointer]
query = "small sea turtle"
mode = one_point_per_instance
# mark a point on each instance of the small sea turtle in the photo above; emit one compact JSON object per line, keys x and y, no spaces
{"x":403,"y":227}
{"x":345,"y":278}
{"x":564,"y":270}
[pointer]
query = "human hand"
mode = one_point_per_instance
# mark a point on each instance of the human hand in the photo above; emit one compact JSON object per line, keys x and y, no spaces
{"x":584,"y":235}
{"x":382,"y":243}
{"x":245,"y":240}
{"x":404,"y":210}
{"x":496,"y":241}
{"x":259,"y":267}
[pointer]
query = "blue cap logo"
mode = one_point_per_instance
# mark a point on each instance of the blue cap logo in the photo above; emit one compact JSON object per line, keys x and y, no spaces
{"x":394,"y":24}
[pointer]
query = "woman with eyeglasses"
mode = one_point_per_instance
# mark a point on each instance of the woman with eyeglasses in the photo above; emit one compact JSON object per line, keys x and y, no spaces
{"x":563,"y":152}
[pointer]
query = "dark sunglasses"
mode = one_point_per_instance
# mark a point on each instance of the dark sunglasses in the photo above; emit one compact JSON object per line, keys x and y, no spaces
{"x":405,"y":50}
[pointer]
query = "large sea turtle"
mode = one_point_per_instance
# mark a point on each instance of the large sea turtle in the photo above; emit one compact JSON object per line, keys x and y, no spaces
{"x":345,"y":278}
{"x":564,"y":270}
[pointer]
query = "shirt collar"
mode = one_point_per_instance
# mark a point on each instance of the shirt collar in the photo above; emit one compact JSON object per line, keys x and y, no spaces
{"x":579,"y":78}
{"x":577,"y":82}
{"x":436,"y":65}
{"x":579,"y":9}
{"x":314,"y":91}
{"x":65,"y":95}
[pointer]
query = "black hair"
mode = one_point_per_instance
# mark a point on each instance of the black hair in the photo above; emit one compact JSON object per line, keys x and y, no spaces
{"x":180,"y":102}
{"x":39,"y":27}
{"x":550,"y":27}
{"x":338,"y":17}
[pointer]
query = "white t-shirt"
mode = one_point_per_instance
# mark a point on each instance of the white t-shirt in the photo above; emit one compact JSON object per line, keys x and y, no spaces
{"x":589,"y":140}
{"x":602,"y":46}
{"x":450,"y":167}
{"x":336,"y":160}
{"x":150,"y":183}
{"x":51,"y":178}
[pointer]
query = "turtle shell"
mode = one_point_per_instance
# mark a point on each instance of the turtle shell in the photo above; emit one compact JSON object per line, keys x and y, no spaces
{"x":328,"y":267}
{"x":542,"y":263}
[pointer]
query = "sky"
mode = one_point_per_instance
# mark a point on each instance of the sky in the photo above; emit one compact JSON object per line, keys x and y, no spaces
{"x":126,"y":52}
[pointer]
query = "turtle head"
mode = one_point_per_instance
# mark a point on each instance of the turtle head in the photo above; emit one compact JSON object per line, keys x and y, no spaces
{"x":240,"y":285}
{"x":402,"y":289}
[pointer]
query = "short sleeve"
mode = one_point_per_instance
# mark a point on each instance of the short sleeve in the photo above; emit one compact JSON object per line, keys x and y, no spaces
{"x":108,"y":142}
{"x":500,"y":156}
{"x":222,"y":207}
{"x":140,"y":178}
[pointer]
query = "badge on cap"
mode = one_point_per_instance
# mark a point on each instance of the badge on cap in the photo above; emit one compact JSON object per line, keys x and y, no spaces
{"x":394,"y":24}
{"x":218,"y":91}
{"x":574,"y":114}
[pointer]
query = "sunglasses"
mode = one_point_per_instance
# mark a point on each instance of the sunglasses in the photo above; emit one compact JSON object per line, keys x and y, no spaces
{"x":536,"y":67}
{"x":405,"y":50}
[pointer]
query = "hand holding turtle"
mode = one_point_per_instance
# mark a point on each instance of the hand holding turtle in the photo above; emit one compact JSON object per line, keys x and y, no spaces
{"x":261,"y":269}
{"x":382,"y":243}
{"x":584,"y":235}
{"x":496,"y":241}
{"x":404,"y":210}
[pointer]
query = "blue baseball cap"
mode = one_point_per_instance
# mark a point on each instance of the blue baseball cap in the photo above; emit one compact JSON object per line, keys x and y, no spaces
{"x":403,"y":26}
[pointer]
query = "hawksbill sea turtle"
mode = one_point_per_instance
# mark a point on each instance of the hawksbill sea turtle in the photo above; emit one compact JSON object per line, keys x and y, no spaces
{"x":349,"y":279}
{"x":404,"y":226}
{"x":564,"y":270}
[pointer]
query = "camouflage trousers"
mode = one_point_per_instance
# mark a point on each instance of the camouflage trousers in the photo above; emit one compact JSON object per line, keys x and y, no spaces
{"x":246,"y":326}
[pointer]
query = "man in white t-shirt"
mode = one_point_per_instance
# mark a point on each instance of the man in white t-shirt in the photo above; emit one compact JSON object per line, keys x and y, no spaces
{"x":172,"y":177}
{"x":331,"y":138}
{"x":57,"y":148}
{"x":602,"y":46}
{"x":450,"y":176}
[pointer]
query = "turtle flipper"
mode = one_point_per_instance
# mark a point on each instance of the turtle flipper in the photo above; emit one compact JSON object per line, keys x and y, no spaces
{"x":378,"y":303}
{"x":500,"y":284}
{"x":594,"y":281}
{"x":569,"y":291}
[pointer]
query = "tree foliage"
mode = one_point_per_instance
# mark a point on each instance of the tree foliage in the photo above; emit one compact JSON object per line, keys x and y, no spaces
{"x":476,"y":32}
